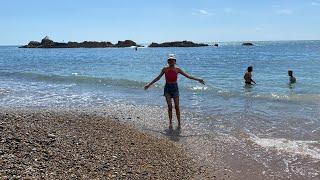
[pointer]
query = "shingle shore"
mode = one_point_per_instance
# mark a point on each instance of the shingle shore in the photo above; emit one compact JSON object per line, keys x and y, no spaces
{"x":75,"y":145}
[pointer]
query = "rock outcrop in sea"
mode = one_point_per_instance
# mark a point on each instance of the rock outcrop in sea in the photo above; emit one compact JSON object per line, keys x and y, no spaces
{"x":126,"y":43}
{"x":177,"y":44}
{"x":48,"y":43}
{"x":247,"y":44}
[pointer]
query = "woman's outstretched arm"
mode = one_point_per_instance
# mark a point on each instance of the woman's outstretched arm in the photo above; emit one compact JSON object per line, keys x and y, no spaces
{"x":155,"y":80}
{"x":190,"y":77}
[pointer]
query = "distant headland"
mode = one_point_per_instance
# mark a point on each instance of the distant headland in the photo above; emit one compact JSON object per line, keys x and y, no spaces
{"x":48,"y":43}
{"x":177,"y":44}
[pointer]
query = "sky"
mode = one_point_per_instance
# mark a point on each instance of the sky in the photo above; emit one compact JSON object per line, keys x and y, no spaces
{"x":146,"y":21}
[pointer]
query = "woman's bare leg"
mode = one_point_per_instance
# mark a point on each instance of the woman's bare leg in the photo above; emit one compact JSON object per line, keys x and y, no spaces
{"x":177,"y":107}
{"x":169,"y":103}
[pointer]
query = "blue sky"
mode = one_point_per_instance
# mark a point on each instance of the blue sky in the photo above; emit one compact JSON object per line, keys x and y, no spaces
{"x":147,"y":21}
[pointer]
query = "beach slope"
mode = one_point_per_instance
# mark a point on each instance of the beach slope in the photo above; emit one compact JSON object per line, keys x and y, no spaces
{"x":66,"y":145}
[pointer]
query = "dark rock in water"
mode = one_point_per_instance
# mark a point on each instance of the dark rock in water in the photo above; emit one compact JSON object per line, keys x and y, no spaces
{"x":247,"y":44}
{"x":59,"y":45}
{"x":48,"y":43}
{"x":216,"y":45}
{"x":73,"y":44}
{"x":126,"y":43}
{"x":94,"y":44}
{"x":153,"y":44}
{"x":177,"y":44}
{"x":45,"y":43}
{"x":33,"y":44}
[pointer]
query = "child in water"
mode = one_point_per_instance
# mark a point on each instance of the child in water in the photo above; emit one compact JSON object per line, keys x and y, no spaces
{"x":291,"y":78}
{"x":171,"y":90}
{"x":248,"y":76}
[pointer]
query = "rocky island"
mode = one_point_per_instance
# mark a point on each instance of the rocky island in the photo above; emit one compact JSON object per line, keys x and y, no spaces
{"x":48,"y":43}
{"x":247,"y":44}
{"x":177,"y":44}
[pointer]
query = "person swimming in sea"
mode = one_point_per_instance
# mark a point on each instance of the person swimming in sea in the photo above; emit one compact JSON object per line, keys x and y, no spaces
{"x":292,"y":79}
{"x":248,"y":76}
{"x":171,"y":90}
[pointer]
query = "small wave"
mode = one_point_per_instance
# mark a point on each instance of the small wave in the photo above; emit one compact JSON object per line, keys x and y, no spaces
{"x":226,"y":94}
{"x":304,"y":148}
{"x":74,"y":78}
{"x":199,"y":88}
{"x":4,"y":91}
{"x":77,"y":78}
{"x":291,"y":97}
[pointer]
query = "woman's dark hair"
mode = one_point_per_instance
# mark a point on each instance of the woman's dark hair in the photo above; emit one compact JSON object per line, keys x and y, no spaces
{"x":250,"y":68}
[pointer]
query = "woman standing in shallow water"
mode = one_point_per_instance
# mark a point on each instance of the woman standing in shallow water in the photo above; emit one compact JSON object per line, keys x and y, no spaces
{"x":171,"y":90}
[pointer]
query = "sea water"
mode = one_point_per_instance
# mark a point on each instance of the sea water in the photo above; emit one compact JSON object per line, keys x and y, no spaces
{"x":273,"y":113}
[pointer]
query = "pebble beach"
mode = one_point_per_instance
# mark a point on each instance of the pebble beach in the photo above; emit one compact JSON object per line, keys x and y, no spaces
{"x":43,"y":144}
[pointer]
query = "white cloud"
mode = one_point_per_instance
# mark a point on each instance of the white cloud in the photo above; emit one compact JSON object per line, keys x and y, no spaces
{"x":281,"y":10}
{"x":284,"y":12}
{"x":204,"y":12}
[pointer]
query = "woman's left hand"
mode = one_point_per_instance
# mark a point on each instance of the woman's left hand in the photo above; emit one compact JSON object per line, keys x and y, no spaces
{"x":201,"y":81}
{"x":146,"y":86}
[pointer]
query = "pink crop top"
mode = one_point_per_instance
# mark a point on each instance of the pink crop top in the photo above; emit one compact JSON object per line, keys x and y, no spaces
{"x":171,"y":76}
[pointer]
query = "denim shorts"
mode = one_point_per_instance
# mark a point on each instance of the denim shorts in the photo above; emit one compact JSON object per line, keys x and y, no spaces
{"x":171,"y":90}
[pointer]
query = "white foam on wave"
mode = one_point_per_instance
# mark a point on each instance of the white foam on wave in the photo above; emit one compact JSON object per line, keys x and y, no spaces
{"x":304,"y":148}
{"x":291,"y":97}
{"x":197,"y":88}
{"x":4,"y":91}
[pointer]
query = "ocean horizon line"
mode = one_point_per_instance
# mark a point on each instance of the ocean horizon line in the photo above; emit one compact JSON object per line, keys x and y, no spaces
{"x":208,"y":42}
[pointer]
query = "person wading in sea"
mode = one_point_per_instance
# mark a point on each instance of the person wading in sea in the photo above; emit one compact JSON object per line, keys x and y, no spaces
{"x":292,"y":79}
{"x":248,"y":76}
{"x":171,"y":90}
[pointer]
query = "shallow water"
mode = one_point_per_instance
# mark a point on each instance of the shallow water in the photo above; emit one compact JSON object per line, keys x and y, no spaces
{"x":273,"y":116}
